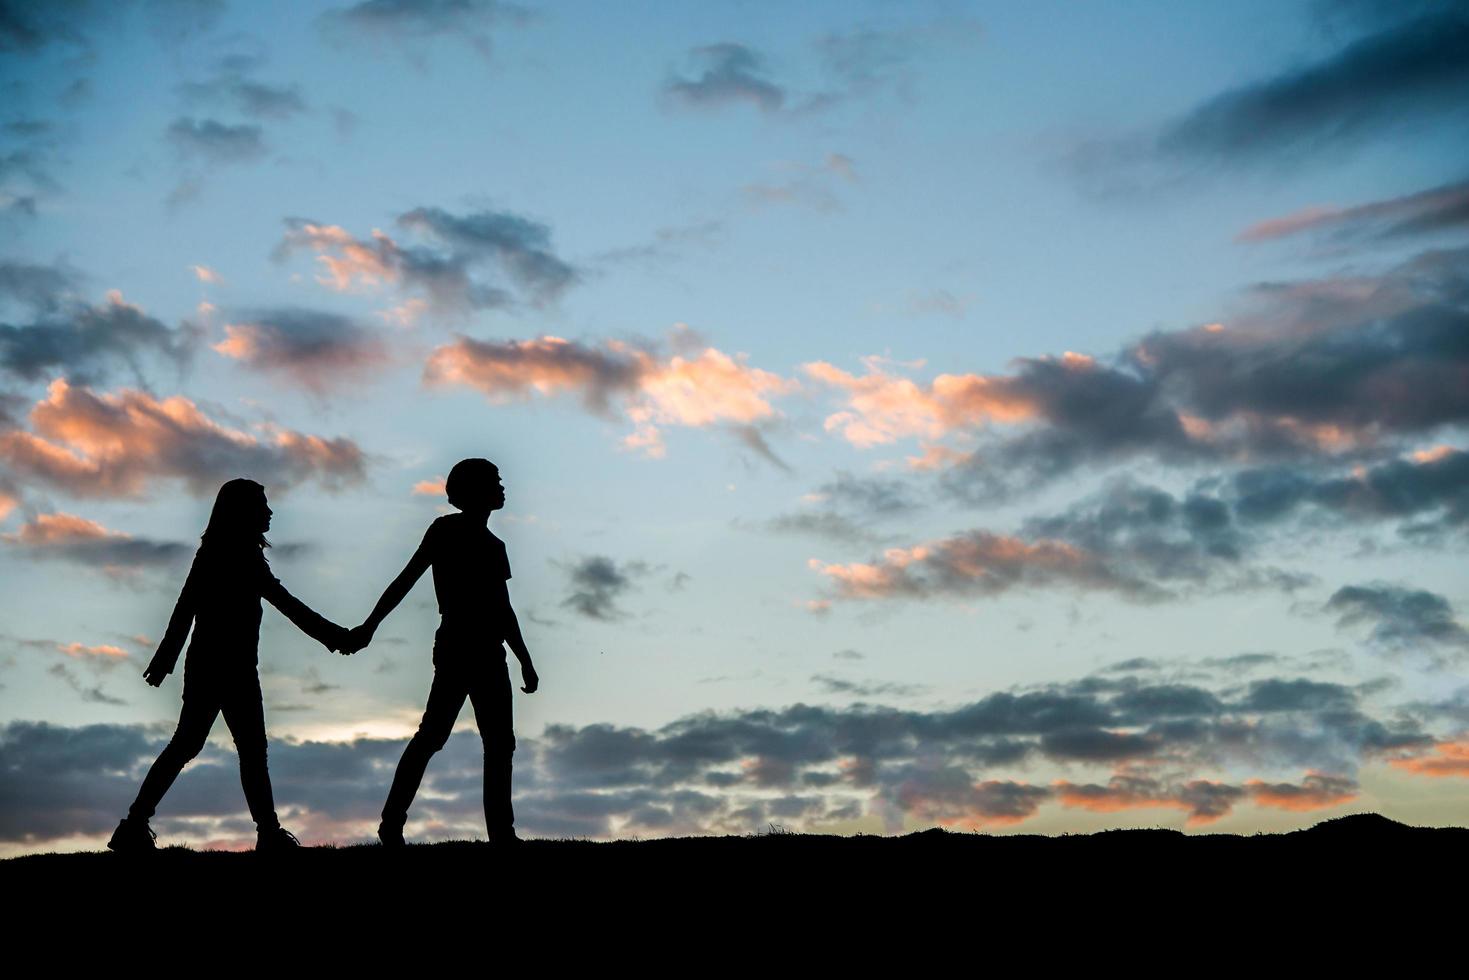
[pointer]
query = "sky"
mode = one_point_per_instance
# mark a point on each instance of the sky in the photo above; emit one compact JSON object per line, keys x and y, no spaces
{"x":1027,"y":418}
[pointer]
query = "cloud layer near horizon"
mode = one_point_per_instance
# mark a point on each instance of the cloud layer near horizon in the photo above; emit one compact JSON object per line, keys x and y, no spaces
{"x":1139,"y":740}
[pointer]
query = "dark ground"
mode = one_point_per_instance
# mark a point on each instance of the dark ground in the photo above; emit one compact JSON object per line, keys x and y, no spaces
{"x":1138,"y":892}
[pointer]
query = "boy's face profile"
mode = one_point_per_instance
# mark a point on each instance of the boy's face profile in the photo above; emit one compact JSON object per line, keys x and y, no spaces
{"x":482,"y":491}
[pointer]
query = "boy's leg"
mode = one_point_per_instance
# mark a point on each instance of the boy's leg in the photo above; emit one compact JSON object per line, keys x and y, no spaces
{"x":445,"y":698}
{"x":244,"y":713}
{"x":491,"y":696}
{"x":195,"y":720}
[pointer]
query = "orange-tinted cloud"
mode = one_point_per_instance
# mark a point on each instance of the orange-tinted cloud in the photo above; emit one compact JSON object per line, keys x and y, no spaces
{"x":431,"y":488}
{"x":1448,"y":759}
{"x":883,"y":407}
{"x":117,"y":445}
{"x":1205,"y":800}
{"x":699,"y":389}
{"x":973,"y":563}
{"x":101,"y":651}
{"x":1317,"y":791}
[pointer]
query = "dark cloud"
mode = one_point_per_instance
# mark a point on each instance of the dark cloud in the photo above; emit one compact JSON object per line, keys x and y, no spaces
{"x":832,"y":684}
{"x":726,"y":74}
{"x":412,"y":23}
{"x":1401,"y":619}
{"x":177,"y":21}
{"x":597,"y":583}
{"x":868,"y":496}
{"x":314,"y":349}
{"x":446,"y":273}
{"x":40,"y":288}
{"x":80,"y":341}
{"x":520,"y":246}
{"x":1312,"y":371}
{"x":68,"y":538}
{"x":1408,"y":72}
{"x":823,"y":524}
{"x":731,"y":772}
{"x":845,"y":509}
{"x":1440,"y":209}
{"x":257,"y":100}
{"x":90,"y":693}
{"x":26,"y":27}
{"x":754,"y":440}
{"x":1427,"y":491}
{"x":1131,"y":539}
{"x":216,"y":143}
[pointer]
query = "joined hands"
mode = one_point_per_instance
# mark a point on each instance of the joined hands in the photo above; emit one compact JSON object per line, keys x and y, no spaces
{"x":354,"y":639}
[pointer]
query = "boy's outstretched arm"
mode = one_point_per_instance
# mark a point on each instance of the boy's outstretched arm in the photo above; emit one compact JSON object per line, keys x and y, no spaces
{"x":517,"y":645}
{"x":361,"y":636}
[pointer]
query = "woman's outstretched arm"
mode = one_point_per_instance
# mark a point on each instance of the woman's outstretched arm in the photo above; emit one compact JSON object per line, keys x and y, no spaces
{"x":179,"y":625}
{"x":307,"y":620}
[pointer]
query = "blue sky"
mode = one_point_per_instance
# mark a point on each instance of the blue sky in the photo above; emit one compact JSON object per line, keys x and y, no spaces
{"x":1074,"y":394}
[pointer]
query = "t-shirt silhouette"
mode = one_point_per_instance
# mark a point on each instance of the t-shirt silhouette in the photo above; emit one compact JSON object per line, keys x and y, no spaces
{"x":469,"y":566}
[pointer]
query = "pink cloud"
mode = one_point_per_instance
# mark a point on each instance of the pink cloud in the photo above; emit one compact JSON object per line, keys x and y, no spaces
{"x":697,"y":389}
{"x":118,"y":445}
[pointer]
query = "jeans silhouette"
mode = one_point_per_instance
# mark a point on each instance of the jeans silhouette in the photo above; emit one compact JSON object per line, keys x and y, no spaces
{"x":462,"y":671}
{"x":244,"y":713}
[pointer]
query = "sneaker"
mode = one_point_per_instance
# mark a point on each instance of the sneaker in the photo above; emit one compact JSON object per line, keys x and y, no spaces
{"x":132,"y":837}
{"x":505,"y":838}
{"x":390,"y":835}
{"x":279,"y":839}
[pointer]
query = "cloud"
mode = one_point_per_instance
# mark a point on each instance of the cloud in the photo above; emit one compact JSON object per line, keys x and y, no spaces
{"x":1448,"y":758}
{"x":66,"y":537}
{"x":1338,"y":369}
{"x":1443,"y":208}
{"x":311,"y":348}
{"x":520,"y":246}
{"x":411,"y":24}
{"x":1409,"y":72}
{"x":1402,"y":619}
{"x":92,"y":694}
{"x":176,"y":21}
{"x":832,"y":684}
{"x":119,"y":445}
{"x":233,"y":88}
{"x":733,"y":771}
{"x":650,"y":390}
{"x":726,"y":74}
{"x":449,"y":273}
{"x":26,"y":28}
{"x":883,"y":407}
{"x":216,"y":143}
{"x":82,"y":341}
{"x":804,"y":184}
{"x":596,"y":583}
{"x":978,"y":563}
{"x":434,"y":487}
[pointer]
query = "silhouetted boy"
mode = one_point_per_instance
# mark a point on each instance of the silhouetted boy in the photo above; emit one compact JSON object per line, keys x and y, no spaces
{"x":470,"y":570}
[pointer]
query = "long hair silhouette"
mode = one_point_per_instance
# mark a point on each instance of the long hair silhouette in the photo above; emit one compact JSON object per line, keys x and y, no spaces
{"x":220,"y":601}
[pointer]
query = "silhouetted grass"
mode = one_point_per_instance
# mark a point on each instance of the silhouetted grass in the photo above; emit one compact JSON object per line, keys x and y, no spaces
{"x":1116,"y":877}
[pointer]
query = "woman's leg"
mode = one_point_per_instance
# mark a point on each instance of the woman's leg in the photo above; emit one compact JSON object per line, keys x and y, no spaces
{"x":244,"y":713}
{"x":195,"y":720}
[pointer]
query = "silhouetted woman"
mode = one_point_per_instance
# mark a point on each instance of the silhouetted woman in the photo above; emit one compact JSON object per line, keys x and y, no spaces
{"x":221,"y":599}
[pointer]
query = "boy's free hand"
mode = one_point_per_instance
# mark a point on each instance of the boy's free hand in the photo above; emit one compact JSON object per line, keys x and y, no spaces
{"x":154,"y":674}
{"x":531,"y":678}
